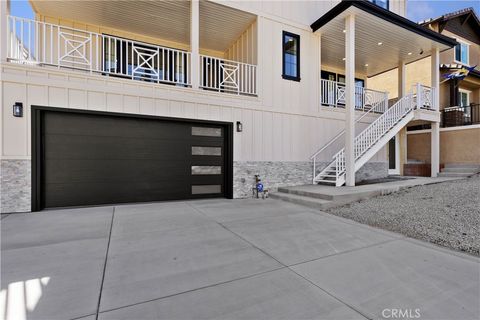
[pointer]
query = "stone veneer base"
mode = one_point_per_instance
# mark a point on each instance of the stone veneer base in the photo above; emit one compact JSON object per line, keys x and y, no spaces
{"x":15,"y":178}
{"x":15,"y":186}
{"x":276,"y":174}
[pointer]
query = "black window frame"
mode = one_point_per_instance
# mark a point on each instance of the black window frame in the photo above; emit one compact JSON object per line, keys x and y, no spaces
{"x":325,"y":74}
{"x":376,"y":2}
{"x":297,"y":38}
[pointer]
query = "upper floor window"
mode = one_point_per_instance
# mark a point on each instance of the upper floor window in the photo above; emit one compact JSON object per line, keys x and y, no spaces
{"x":381,"y":3}
{"x":461,"y":52}
{"x":291,"y":56}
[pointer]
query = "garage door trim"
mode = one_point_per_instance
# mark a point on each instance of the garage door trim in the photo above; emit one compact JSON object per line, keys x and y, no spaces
{"x":37,"y":147}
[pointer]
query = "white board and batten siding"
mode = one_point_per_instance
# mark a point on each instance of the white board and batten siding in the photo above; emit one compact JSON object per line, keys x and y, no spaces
{"x":284,"y":123}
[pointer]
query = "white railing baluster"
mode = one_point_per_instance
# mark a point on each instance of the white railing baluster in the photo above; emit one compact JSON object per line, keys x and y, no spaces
{"x":110,"y":55}
{"x":227,"y":76}
{"x":372,"y":134}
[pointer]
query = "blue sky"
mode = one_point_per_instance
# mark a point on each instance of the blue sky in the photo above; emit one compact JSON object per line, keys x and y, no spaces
{"x":416,"y":9}
{"x":21,"y":8}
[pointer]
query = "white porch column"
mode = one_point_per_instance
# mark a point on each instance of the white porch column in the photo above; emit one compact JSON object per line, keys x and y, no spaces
{"x":402,"y":135}
{"x":350,"y":100}
{"x":319,"y":78}
{"x":195,"y":43}
{"x":435,"y":134}
{"x":402,"y":79}
{"x":4,"y":11}
{"x":435,"y":59}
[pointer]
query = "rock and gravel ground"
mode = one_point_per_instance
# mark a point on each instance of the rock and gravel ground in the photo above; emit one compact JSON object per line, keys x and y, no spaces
{"x":447,"y":214}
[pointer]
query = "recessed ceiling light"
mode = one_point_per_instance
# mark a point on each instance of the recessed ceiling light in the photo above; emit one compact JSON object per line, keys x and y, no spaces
{"x":344,"y":59}
{"x":344,"y":31}
{"x":409,"y":53}
{"x":380,"y":43}
{"x":366,"y":64}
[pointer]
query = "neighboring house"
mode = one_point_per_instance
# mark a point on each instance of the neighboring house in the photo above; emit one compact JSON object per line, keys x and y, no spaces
{"x":143,"y":101}
{"x":459,"y":98}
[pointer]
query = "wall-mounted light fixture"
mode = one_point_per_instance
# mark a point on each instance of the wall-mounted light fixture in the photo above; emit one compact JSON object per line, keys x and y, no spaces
{"x":18,"y":109}
{"x":239,"y":126}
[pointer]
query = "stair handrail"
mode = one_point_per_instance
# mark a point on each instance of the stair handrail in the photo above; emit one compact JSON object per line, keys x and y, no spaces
{"x":378,"y":128}
{"x":378,"y":104}
{"x":339,"y":157}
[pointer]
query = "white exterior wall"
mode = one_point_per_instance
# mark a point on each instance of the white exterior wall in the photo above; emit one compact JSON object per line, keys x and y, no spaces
{"x":298,"y":12}
{"x":281,"y":130}
{"x":244,"y":49}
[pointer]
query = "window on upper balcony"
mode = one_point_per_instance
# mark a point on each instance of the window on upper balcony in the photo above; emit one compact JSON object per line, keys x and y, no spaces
{"x":381,"y":3}
{"x":291,"y":56}
{"x":461,"y":52}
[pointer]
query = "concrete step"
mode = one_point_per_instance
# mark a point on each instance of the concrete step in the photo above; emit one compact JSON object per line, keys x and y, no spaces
{"x":328,"y":183}
{"x":304,"y":193}
{"x":460,"y":170}
{"x":454,"y":174}
{"x":314,"y":203}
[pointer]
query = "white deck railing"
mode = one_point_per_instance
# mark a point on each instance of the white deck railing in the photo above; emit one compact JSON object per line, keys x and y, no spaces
{"x":424,"y":96}
{"x":41,"y":43}
{"x":333,"y":95}
{"x":227,"y":76}
{"x":48,"y":44}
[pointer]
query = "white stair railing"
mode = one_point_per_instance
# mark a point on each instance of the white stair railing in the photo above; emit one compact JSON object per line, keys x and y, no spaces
{"x":377,"y":108}
{"x":421,"y":97}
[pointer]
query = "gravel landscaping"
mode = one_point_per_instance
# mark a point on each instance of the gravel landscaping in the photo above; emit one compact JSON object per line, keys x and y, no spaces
{"x":447,"y":214}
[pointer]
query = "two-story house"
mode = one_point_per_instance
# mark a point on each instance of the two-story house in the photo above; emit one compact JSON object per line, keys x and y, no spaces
{"x":459,"y":96}
{"x":108,"y":102}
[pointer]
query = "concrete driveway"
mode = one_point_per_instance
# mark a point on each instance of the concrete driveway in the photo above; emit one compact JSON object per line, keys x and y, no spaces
{"x":224,"y":259}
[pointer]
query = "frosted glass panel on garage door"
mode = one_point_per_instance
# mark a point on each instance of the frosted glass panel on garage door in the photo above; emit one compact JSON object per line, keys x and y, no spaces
{"x":206,"y":151}
{"x":206,"y":189}
{"x":206,"y":131}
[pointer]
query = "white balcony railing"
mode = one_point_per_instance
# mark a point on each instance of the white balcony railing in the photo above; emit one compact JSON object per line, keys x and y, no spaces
{"x":43,"y":43}
{"x":36,"y":42}
{"x":333,"y":95}
{"x":227,"y":76}
{"x":424,"y":96}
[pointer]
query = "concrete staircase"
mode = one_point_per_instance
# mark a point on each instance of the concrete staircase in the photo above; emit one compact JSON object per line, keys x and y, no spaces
{"x":305,"y":198}
{"x":459,"y":170}
{"x":322,"y":197}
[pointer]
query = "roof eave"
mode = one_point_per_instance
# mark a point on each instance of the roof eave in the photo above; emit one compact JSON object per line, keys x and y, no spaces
{"x":385,"y":15}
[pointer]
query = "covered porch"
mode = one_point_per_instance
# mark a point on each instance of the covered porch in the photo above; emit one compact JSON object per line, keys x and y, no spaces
{"x":179,"y":44}
{"x":360,"y":40}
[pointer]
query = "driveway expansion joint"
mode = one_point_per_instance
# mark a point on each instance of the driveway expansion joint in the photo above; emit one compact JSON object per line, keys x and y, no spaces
{"x":105,"y":264}
{"x":192,"y":290}
{"x":288,"y":267}
{"x":344,"y":252}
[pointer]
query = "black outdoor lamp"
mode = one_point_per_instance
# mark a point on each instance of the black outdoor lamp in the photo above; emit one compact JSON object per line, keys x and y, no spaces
{"x":239,"y":126}
{"x":18,"y":109}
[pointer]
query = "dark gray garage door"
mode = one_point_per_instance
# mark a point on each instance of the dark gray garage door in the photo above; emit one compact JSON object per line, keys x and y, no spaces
{"x":92,"y":159}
